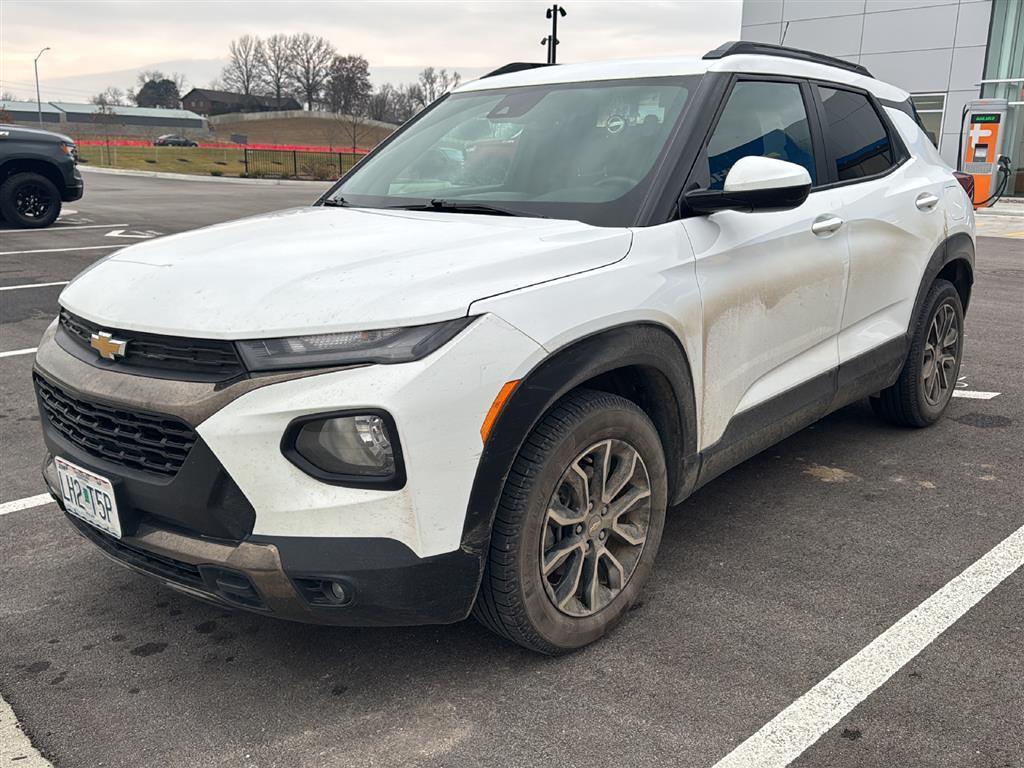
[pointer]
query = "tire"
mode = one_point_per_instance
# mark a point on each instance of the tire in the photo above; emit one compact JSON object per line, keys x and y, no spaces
{"x":542,"y":514}
{"x":29,"y":200}
{"x":922,"y":392}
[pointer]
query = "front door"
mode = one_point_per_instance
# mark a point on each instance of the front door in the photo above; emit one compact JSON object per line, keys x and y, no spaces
{"x":772,"y":283}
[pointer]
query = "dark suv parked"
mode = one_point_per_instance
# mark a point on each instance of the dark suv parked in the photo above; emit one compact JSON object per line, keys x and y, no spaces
{"x":37,"y":173}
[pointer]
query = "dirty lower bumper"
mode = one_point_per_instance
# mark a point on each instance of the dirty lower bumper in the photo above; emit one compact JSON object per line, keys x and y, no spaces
{"x":383,"y":582}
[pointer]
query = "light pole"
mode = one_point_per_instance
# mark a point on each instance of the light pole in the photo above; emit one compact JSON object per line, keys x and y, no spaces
{"x":39,"y":103}
{"x":551,"y":41}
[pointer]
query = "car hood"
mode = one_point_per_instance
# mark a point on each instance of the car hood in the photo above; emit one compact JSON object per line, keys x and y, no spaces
{"x":320,"y":270}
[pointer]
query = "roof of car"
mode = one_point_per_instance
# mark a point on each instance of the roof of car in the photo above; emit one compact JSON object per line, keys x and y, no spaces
{"x":668,"y":66}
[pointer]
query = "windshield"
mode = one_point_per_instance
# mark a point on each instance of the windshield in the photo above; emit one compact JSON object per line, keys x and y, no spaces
{"x":583,"y":151}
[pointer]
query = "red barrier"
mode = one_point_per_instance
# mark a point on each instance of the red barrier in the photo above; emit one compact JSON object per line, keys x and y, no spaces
{"x":213,"y":145}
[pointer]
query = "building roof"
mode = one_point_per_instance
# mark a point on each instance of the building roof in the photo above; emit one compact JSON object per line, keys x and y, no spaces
{"x":27,"y":106}
{"x":228,"y":97}
{"x":668,"y":66}
{"x":157,"y":112}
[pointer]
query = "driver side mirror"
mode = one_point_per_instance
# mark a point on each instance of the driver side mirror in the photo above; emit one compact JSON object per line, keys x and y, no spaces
{"x":755,"y":184}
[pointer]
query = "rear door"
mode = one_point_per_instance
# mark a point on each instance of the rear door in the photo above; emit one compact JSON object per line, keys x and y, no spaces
{"x":894,"y":208}
{"x":772,"y":283}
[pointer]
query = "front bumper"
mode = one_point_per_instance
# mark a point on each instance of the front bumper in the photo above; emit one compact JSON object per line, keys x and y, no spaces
{"x":74,"y":186}
{"x":288,"y":577}
{"x":239,"y":524}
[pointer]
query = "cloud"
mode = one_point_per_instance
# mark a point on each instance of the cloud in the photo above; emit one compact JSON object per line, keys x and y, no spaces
{"x":91,"y":39}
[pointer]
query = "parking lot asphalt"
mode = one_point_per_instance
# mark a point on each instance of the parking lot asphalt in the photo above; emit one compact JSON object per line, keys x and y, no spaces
{"x":768,"y":579}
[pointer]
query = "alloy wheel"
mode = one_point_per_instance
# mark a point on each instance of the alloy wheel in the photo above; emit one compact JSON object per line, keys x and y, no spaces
{"x":32,"y":200}
{"x":595,"y":528}
{"x":941,"y":353}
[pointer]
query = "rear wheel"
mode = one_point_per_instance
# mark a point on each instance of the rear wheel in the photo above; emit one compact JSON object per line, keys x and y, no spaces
{"x":29,"y":200}
{"x":578,"y":525}
{"x":923,"y":391}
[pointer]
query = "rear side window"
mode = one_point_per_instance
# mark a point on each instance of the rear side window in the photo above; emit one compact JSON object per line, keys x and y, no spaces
{"x":763,"y":119}
{"x":854,"y":134}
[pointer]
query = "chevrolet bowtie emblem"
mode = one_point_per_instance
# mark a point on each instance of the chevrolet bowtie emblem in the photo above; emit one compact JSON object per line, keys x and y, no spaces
{"x":108,"y":347}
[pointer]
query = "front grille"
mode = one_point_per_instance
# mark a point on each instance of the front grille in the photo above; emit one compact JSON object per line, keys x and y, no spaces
{"x":144,"y":441}
{"x":207,"y":359}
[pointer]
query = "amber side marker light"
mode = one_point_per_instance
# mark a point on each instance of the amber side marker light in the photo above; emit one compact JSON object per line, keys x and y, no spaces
{"x":495,"y":410}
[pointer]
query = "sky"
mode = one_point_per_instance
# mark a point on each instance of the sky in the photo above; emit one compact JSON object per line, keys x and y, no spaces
{"x":98,"y":44}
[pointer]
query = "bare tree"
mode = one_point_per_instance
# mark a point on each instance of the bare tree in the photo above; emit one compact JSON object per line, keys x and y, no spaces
{"x":391,"y":104}
{"x":278,"y":64}
{"x":313,"y":57}
{"x":7,"y":96}
{"x":110,"y":97}
{"x":105,"y":116}
{"x":245,"y":72}
{"x":357,"y":131}
{"x":434,"y":83}
{"x":381,"y":103}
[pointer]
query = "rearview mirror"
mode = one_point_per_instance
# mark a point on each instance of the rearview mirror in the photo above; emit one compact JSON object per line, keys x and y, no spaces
{"x":755,"y":184}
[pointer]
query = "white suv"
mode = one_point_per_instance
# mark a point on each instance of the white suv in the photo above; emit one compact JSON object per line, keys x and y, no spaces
{"x":475,"y":374}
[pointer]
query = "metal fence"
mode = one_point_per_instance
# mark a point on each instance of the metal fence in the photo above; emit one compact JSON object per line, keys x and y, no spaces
{"x":297,"y":164}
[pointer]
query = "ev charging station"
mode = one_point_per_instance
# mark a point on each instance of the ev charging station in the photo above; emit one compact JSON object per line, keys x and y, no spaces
{"x":982,"y":157}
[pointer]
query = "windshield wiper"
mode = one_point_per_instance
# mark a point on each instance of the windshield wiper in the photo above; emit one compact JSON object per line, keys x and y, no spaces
{"x":336,"y":202}
{"x":466,"y":206}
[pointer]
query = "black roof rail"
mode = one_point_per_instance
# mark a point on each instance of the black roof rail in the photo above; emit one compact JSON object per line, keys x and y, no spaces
{"x":734,"y":48}
{"x":515,"y":66}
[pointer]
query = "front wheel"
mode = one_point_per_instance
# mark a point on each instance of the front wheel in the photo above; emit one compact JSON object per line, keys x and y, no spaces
{"x":923,"y":391}
{"x":578,"y":525}
{"x":29,"y":200}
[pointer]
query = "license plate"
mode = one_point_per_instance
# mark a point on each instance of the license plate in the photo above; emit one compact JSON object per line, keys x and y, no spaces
{"x":89,"y":497}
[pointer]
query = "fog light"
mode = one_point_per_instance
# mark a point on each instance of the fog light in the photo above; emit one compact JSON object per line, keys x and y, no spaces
{"x":348,"y":445}
{"x":338,"y":592}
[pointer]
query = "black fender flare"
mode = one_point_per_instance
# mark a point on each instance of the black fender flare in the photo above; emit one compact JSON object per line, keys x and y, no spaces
{"x":958,"y":248}
{"x":650,"y":347}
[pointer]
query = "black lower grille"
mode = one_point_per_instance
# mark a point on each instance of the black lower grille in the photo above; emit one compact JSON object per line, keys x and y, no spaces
{"x":184,"y":358}
{"x":168,"y":568}
{"x":144,"y":441}
{"x":230,"y":586}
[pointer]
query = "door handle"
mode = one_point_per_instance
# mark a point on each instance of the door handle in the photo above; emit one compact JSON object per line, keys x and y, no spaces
{"x":826,"y":225}
{"x":926,"y":201}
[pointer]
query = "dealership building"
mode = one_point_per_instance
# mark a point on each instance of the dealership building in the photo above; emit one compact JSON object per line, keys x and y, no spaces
{"x":944,"y":52}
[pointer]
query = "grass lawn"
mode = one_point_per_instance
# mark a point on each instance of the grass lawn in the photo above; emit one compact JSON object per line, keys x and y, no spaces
{"x":205,"y":161}
{"x":198,"y":160}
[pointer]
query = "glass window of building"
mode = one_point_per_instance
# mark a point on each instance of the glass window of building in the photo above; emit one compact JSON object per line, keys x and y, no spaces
{"x":931,"y":107}
{"x":1004,"y":79}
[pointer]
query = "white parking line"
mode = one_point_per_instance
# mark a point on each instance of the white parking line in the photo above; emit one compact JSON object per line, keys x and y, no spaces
{"x":16,"y":352}
{"x":31,"y":285}
{"x":972,"y":395}
{"x":15,"y":747}
{"x":62,"y":250}
{"x":55,"y":228}
{"x":815,"y":713}
{"x":27,"y":503}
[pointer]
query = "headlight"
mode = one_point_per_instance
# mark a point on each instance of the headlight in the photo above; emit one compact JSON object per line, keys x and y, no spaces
{"x":358,"y":449}
{"x":390,"y":345}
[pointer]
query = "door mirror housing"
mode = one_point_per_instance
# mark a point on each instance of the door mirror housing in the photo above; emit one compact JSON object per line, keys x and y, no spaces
{"x":755,"y":184}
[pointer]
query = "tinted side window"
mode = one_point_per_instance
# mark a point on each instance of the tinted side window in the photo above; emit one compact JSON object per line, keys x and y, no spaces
{"x":854,"y":134}
{"x":762,"y":119}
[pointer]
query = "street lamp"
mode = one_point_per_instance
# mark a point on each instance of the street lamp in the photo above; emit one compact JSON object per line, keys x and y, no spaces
{"x":39,"y":103}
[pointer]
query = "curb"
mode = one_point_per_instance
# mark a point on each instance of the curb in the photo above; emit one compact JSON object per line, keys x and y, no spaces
{"x":194,"y":177}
